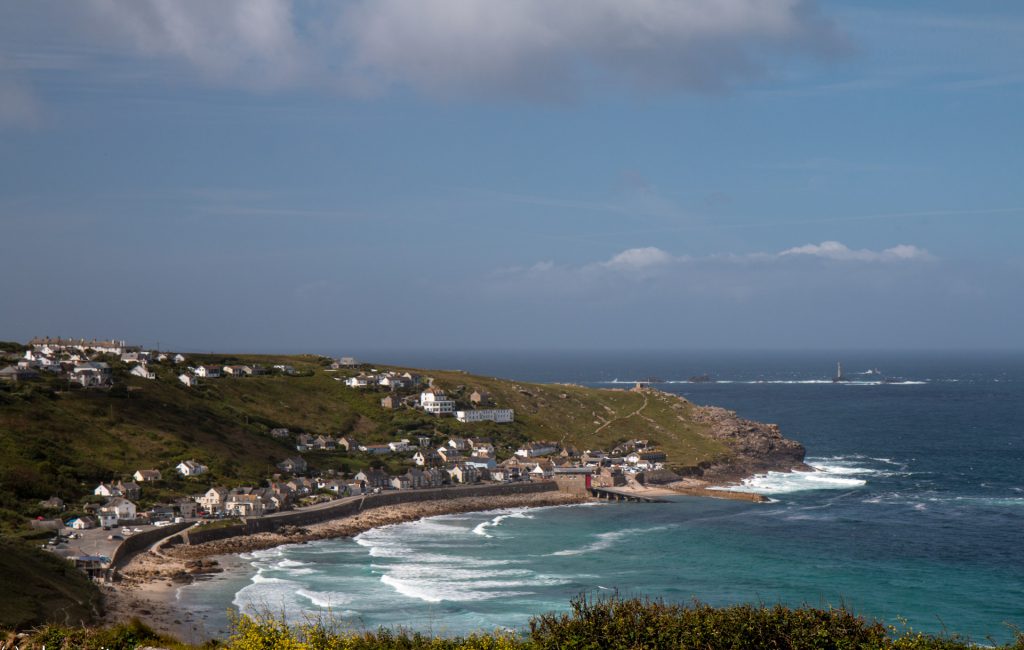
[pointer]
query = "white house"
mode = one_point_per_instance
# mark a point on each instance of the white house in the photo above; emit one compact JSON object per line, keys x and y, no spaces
{"x":108,"y":519}
{"x":123,"y":508}
{"x":141,"y":371}
{"x":360,"y":381}
{"x":541,"y":471}
{"x":426,"y":458}
{"x":436,"y":403}
{"x":189,"y":380}
{"x":457,"y":443}
{"x":400,"y":445}
{"x":82,"y":523}
{"x":179,"y":358}
{"x":392,"y":381}
{"x":482,"y":462}
{"x":191,"y":468}
{"x":244,"y":505}
{"x":501,"y":416}
{"x":482,"y":447}
{"x":147,"y":475}
{"x":208,"y":372}
{"x":535,"y":449}
{"x":104,"y":490}
{"x":213,"y":499}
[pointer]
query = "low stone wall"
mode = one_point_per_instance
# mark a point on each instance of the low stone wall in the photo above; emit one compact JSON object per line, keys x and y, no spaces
{"x":202,"y":534}
{"x":140,"y":541}
{"x":352,"y":505}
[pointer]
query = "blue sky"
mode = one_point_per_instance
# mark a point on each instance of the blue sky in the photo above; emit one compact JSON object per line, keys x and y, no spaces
{"x":270,"y":175}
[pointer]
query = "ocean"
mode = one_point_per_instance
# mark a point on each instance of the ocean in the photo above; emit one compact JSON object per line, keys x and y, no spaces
{"x":916,"y":517}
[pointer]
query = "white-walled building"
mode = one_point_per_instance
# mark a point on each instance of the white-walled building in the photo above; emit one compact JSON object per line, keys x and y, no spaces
{"x":500,"y":416}
{"x":208,"y":371}
{"x":436,"y":403}
{"x":141,"y":371}
{"x":192,"y":468}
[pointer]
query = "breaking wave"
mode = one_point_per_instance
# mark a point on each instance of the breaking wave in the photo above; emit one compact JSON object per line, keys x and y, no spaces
{"x":835,"y":473}
{"x":607,"y":540}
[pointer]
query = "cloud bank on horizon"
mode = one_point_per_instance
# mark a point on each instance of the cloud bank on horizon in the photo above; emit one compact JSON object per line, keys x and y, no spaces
{"x":649,"y":258}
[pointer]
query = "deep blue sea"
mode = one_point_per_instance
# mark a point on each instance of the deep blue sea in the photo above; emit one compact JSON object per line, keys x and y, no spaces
{"x":917,"y":514}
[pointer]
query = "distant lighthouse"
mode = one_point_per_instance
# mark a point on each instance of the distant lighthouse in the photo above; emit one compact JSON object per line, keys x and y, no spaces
{"x":839,"y":373}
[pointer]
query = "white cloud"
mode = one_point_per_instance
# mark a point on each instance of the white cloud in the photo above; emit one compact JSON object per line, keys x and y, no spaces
{"x":545,"y":48}
{"x":524,"y":48}
{"x":247,"y":43}
{"x":649,"y":262}
{"x":638,"y":258}
{"x":834,"y":250}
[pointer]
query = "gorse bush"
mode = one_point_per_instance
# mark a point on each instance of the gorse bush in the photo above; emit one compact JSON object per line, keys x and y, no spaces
{"x":126,"y":636}
{"x":591,"y":624}
{"x":641,"y":623}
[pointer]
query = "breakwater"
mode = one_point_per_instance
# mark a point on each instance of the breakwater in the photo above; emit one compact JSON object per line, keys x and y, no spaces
{"x":142,"y":541}
{"x":353,"y":505}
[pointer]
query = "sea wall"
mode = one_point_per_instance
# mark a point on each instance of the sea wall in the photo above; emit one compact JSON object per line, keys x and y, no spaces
{"x":140,"y":541}
{"x":352,"y":505}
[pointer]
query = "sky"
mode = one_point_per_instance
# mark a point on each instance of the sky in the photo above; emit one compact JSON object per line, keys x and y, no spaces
{"x":268,"y":175}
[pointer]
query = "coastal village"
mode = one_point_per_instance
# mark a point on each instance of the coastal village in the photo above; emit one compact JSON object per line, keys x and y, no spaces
{"x":90,"y":533}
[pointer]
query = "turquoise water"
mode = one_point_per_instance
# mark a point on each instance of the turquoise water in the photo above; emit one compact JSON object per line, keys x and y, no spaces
{"x":918,"y":513}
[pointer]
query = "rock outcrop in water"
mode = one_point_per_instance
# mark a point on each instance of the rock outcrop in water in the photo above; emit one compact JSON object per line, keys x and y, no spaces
{"x":755,"y":448}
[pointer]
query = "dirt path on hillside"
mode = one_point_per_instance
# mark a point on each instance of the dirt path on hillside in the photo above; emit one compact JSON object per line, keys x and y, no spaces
{"x":636,"y":412}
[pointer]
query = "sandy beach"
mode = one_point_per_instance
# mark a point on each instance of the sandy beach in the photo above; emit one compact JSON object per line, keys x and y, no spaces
{"x":149,"y":583}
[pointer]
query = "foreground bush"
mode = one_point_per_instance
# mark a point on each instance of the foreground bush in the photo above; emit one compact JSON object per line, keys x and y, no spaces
{"x":126,"y":636}
{"x":612,"y":623}
{"x":623,"y":624}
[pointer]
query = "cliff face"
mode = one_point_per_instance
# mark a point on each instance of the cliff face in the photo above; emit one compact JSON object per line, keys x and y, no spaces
{"x":755,"y":448}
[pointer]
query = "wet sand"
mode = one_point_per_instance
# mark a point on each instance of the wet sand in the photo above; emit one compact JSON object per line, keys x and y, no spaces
{"x":149,"y":583}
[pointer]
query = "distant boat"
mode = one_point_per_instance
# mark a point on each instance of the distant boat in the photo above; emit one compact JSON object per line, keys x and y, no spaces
{"x":700,"y":379}
{"x":874,"y":372}
{"x":839,"y":374}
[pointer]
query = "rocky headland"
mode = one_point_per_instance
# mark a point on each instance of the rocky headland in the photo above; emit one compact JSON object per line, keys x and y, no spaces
{"x":754,"y":448}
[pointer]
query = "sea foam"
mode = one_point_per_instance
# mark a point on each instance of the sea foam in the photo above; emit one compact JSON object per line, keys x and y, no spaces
{"x":828,"y":474}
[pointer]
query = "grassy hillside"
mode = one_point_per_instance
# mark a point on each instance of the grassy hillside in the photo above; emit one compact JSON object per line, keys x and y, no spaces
{"x":56,"y":439}
{"x":39,"y":587}
{"x":590,"y":418}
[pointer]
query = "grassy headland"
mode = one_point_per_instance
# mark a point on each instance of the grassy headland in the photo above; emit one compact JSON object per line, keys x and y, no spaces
{"x":61,"y":440}
{"x":58,"y":439}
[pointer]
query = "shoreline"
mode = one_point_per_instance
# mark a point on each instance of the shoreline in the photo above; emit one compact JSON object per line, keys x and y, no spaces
{"x":148,"y":586}
{"x":149,"y":583}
